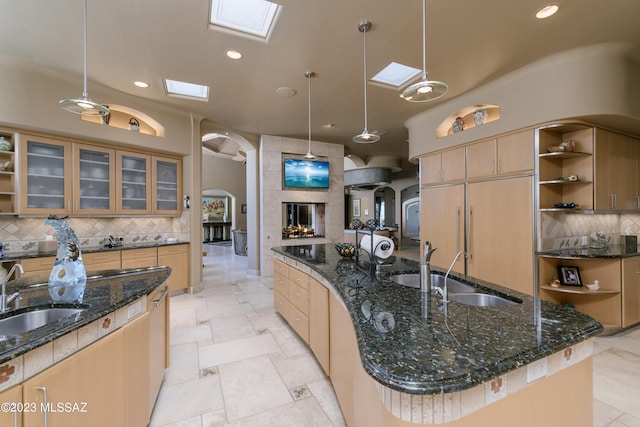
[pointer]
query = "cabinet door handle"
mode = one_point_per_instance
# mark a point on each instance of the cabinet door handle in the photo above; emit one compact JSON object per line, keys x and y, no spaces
{"x":612,"y":199}
{"x":638,"y":202}
{"x":470,"y":234}
{"x":44,"y":400}
{"x":499,"y":165}
{"x":162,"y":297}
{"x":457,"y":229}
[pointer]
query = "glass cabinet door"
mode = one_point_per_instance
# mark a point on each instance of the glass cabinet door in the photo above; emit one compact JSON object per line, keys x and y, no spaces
{"x":45,"y":176}
{"x":94,"y":186}
{"x":167,"y":188}
{"x":133,"y":187}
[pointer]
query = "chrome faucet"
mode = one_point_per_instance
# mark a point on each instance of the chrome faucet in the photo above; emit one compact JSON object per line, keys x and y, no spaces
{"x":425,"y":268}
{"x":444,"y":291}
{"x":4,"y":299}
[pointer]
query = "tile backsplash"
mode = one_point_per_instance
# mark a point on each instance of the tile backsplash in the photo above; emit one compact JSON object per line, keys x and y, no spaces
{"x":22,"y":234}
{"x":561,"y":230}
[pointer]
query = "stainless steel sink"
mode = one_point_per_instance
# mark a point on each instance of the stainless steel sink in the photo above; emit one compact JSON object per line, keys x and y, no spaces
{"x":481,"y":300}
{"x":413,"y":280}
{"x":30,"y":320}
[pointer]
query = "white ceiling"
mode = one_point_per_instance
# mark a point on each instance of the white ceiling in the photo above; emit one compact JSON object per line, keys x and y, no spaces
{"x":469,"y":43}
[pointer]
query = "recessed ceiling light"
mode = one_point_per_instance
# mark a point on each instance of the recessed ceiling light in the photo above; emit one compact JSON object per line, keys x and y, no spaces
{"x":233,"y":54}
{"x":286,"y":91}
{"x":142,"y":84}
{"x":547,"y":11}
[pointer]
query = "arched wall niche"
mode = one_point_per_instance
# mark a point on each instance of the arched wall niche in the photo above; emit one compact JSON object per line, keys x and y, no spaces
{"x":467,"y":114}
{"x":120,"y":117}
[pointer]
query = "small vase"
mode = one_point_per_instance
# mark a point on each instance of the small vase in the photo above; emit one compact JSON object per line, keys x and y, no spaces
{"x":480,"y":116}
{"x":458,"y":125}
{"x":5,"y":145}
{"x":68,"y":278}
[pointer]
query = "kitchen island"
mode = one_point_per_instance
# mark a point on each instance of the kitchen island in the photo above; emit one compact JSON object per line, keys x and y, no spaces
{"x":398,"y":358}
{"x":109,"y":358}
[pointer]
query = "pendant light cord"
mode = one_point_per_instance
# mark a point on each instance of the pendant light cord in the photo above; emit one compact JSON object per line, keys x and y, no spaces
{"x":424,"y":39}
{"x":366,"y":127}
{"x":85,"y":93}
{"x":309,"y":78}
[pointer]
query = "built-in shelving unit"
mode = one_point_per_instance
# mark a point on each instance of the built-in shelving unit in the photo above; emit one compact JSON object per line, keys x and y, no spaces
{"x":8,"y":205}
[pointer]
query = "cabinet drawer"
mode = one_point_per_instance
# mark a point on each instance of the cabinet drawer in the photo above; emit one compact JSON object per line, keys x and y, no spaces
{"x":101,"y":258}
{"x":139,"y":253}
{"x":298,"y":277}
{"x":299,"y":297}
{"x":280,"y":267}
{"x":299,"y":322}
{"x":280,"y":303}
{"x":281,"y":284}
{"x":173,"y":250}
{"x":37,"y":265}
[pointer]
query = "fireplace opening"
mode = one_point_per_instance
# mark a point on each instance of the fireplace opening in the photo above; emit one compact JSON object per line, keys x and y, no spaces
{"x":303,"y":220}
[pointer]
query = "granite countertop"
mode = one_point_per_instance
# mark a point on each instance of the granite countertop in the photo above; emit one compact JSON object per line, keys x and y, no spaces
{"x":410,"y":343}
{"x":612,"y":251}
{"x":14,"y":256}
{"x":106,"y":291}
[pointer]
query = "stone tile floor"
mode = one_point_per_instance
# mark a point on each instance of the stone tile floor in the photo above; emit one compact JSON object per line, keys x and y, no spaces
{"x":235,"y":362}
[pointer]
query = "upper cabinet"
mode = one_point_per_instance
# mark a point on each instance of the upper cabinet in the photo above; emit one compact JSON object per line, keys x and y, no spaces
{"x":444,"y":166}
{"x":94,"y":185}
{"x":134,"y":183}
{"x":65,"y":178}
{"x":509,"y":154}
{"x":45,"y":176}
{"x":167,"y":185}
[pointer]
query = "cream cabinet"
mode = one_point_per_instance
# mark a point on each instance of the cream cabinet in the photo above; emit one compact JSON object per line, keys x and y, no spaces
{"x":442,"y":222}
{"x":630,"y":291}
{"x":505,"y":155}
{"x":133,"y":188}
{"x":137,"y":409}
{"x":101,"y":260}
{"x":443,"y":166}
{"x":319,"y":323}
{"x":45,"y":176}
{"x":616,"y":171}
{"x":139,"y":258}
{"x":158,"y":306}
{"x":94,"y":183}
{"x":176,"y":257}
{"x":166,"y":185}
{"x":35,"y":266}
{"x":11,"y":416}
{"x":499,"y":232}
{"x":93,"y":376}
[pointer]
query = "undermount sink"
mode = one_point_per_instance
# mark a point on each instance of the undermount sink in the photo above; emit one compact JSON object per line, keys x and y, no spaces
{"x":481,"y":300}
{"x":26,"y":321}
{"x":437,"y":280}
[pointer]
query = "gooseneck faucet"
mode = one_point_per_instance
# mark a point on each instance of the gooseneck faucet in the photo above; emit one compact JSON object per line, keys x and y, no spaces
{"x":444,"y":292}
{"x":4,"y":299}
{"x":425,"y":268}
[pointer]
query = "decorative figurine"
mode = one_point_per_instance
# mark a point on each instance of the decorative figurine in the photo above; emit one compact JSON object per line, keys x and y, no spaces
{"x":458,"y":125}
{"x":480,"y":116}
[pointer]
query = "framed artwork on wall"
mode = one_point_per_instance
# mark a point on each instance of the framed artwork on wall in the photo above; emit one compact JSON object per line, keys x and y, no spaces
{"x":356,"y":207}
{"x":214,"y":207}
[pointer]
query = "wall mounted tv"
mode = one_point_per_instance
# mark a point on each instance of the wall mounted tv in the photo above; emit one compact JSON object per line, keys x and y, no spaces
{"x":310,"y":174}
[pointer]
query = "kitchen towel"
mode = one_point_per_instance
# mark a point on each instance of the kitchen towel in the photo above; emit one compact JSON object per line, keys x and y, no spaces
{"x":383,"y":246}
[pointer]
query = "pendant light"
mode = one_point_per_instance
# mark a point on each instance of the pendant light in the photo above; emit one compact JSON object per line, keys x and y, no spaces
{"x":365,"y":137}
{"x":84,"y":104}
{"x":309,"y":75}
{"x":425,"y":90}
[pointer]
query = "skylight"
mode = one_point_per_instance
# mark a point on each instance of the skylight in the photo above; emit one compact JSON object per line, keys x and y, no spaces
{"x":186,"y":90}
{"x":396,"y":75}
{"x":255,"y":17}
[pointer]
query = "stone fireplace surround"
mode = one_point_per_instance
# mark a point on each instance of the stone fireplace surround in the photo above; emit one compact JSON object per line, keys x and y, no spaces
{"x":272,"y":194}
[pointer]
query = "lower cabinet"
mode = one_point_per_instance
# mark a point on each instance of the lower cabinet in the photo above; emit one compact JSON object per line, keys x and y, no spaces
{"x":176,"y":257}
{"x":35,"y":266}
{"x":137,"y":409}
{"x":139,"y":258}
{"x":630,"y":291}
{"x":101,"y":260}
{"x":12,"y":416}
{"x":91,"y":381}
{"x":319,"y":322}
{"x":158,"y":309}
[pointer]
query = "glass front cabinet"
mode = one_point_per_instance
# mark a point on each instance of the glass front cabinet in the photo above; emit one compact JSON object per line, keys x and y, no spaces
{"x":94,"y":186}
{"x":167,"y":191}
{"x":134,"y":183}
{"x":45,"y":176}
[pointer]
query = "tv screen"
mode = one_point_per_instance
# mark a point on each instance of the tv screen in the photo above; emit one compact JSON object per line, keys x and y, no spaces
{"x":306,"y":173}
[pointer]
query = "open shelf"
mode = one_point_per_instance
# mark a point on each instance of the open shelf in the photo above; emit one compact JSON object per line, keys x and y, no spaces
{"x":579,"y":290}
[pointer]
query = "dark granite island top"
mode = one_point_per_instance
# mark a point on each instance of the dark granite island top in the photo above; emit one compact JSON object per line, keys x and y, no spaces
{"x":412,"y":344}
{"x":612,"y":251}
{"x":106,"y":292}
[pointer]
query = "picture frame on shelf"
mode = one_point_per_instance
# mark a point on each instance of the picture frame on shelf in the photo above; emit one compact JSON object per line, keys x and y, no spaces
{"x":569,"y":275}
{"x":356,"y":207}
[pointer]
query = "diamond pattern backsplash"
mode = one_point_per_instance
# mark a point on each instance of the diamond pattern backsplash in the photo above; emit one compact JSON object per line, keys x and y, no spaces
{"x":22,"y":234}
{"x":561,"y":230}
